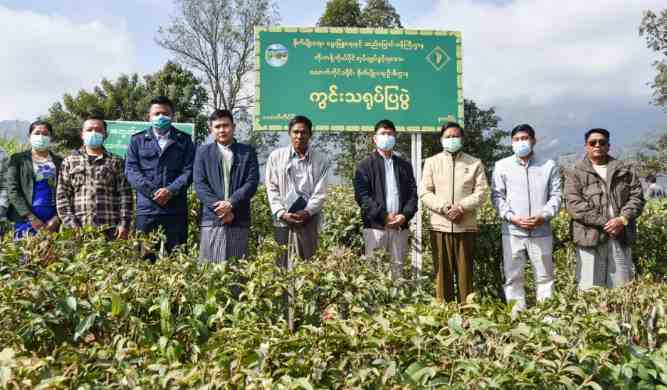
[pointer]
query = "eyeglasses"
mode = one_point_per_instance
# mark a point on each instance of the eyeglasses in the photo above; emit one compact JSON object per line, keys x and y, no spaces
{"x":598,"y":142}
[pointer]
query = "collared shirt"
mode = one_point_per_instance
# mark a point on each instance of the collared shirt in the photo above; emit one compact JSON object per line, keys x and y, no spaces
{"x":280,"y":178}
{"x":162,"y":140}
{"x":391,"y":190}
{"x":300,"y":167}
{"x":227,"y":158}
{"x":93,"y":191}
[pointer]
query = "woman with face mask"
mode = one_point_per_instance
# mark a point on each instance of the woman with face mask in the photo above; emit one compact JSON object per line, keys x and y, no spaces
{"x":31,"y":184}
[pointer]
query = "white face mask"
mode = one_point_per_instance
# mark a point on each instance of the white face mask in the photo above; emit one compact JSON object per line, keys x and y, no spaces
{"x":40,"y":142}
{"x":385,"y":142}
{"x":451,"y":145}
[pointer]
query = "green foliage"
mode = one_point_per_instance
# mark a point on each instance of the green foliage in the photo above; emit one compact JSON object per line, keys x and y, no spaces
{"x":11,"y":146}
{"x":353,"y":147}
{"x":127,"y":98}
{"x":653,"y":159}
{"x":348,"y":13}
{"x":216,"y":40}
{"x":649,"y":250}
{"x":79,"y":311}
{"x":341,"y":13}
{"x":380,"y":13}
{"x":483,"y":138}
{"x":654,"y":28}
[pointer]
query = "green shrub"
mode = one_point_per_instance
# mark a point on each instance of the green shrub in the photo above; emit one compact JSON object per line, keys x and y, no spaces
{"x":78,"y":311}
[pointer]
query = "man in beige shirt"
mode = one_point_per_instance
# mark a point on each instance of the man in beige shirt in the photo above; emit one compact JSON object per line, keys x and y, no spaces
{"x":453,"y":188}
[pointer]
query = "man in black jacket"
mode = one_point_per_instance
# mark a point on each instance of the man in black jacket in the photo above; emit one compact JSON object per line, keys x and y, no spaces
{"x":385,"y":189}
{"x":226,"y":174}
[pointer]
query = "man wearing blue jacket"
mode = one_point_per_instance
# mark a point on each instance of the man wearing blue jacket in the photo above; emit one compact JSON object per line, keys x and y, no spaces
{"x":159,"y":167}
{"x":226,"y":175}
{"x":526,"y":193}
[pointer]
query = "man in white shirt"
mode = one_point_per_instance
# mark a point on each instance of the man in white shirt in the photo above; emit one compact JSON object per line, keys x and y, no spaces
{"x":296,"y":184}
{"x":386,"y":191}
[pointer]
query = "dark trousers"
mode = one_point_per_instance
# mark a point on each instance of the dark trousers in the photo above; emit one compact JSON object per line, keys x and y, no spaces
{"x":452,"y":255}
{"x":307,"y":237}
{"x":175,"y":228}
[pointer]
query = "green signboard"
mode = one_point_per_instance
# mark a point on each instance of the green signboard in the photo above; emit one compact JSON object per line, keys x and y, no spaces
{"x":121,"y":131}
{"x":346,"y":79}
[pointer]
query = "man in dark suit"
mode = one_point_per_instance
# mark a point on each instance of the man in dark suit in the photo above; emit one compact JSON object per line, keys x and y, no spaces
{"x":226,"y":174}
{"x":385,"y":189}
{"x":158,"y":166}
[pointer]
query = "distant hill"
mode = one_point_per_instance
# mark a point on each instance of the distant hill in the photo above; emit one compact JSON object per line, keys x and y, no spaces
{"x":15,"y":129}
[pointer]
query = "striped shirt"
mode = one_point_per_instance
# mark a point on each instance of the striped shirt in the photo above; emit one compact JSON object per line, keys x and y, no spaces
{"x":93,"y":191}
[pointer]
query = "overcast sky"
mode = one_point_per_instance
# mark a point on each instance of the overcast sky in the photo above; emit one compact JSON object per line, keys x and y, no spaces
{"x":563,"y":66}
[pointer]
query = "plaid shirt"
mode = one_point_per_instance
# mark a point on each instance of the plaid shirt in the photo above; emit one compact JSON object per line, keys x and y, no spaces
{"x":93,"y":194}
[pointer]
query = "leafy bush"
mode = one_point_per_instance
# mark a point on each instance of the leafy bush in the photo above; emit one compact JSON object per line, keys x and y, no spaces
{"x":78,"y":311}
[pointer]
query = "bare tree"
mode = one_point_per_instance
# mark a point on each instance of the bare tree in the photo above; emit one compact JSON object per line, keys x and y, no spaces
{"x":216,"y":39}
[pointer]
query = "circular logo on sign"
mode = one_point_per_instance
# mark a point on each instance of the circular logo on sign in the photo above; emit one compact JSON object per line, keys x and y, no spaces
{"x":276,"y":55}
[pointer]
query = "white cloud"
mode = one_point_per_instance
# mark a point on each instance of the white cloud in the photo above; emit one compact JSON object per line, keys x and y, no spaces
{"x":540,"y":50}
{"x":44,"y":56}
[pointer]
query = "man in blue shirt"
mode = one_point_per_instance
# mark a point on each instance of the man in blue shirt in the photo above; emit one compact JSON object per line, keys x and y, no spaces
{"x":159,"y":166}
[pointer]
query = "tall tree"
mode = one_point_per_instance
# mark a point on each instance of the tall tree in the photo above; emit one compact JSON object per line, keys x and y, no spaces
{"x":652,"y":160}
{"x":380,"y":13}
{"x":352,"y":147}
{"x":187,"y":93}
{"x":654,"y":28}
{"x":341,"y":13}
{"x":126,"y":98}
{"x":483,"y":137}
{"x":182,"y":87}
{"x":121,"y":99}
{"x":216,"y":38}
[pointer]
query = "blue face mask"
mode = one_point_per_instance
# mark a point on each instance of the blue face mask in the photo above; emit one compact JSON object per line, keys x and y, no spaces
{"x":385,"y":142}
{"x":93,"y":139}
{"x":161,"y":123}
{"x":522,"y":148}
